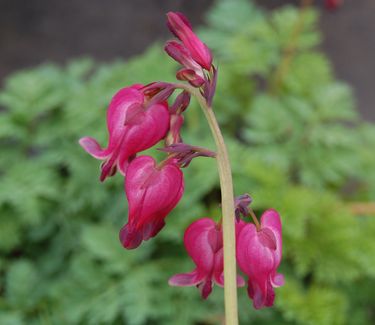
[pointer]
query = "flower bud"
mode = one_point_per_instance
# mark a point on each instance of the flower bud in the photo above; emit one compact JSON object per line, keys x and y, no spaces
{"x":181,"y":28}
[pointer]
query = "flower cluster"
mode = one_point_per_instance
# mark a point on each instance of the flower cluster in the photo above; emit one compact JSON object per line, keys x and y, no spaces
{"x":258,"y":252}
{"x":139,"y":117}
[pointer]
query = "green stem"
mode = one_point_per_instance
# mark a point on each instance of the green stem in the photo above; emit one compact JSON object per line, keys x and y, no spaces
{"x":255,"y":219}
{"x":227,"y":204}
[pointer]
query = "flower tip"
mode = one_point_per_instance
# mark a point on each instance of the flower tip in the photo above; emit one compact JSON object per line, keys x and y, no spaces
{"x":174,"y":16}
{"x":184,"y":279}
{"x":180,"y":26}
{"x":240,"y":281}
{"x":129,"y":238}
{"x":271,"y":218}
{"x":205,"y":288}
{"x":92,"y":147}
{"x":278,"y":280}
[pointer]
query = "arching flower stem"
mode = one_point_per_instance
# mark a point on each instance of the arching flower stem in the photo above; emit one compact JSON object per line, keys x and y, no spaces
{"x":255,"y":219}
{"x":228,"y":208}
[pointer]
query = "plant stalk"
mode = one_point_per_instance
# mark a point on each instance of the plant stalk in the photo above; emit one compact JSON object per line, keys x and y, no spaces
{"x":228,"y":208}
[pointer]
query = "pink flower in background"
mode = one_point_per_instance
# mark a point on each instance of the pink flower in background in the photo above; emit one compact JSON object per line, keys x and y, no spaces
{"x":333,"y":4}
{"x":203,"y":241}
{"x":259,"y":255}
{"x":181,"y":28}
{"x":133,"y":126}
{"x":152,"y":192}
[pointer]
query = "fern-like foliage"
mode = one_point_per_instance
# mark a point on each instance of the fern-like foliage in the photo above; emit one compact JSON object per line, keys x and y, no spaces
{"x":296,"y":142}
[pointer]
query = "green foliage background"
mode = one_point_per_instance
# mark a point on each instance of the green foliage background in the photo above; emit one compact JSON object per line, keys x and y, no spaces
{"x":300,"y":148}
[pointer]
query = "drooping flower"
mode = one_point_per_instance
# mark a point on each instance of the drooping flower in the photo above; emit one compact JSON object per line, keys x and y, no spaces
{"x":152,"y":192}
{"x":259,"y":255}
{"x":133,"y":124}
{"x":203,"y":241}
{"x":181,"y":28}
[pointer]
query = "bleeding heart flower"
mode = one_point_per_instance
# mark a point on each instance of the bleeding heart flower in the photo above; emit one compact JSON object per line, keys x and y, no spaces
{"x":152,"y":192}
{"x":259,"y":255}
{"x":203,"y":241}
{"x":181,"y":28}
{"x":133,"y":126}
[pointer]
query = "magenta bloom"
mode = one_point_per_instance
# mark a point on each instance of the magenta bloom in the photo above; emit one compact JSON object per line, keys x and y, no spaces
{"x":332,"y":4}
{"x":203,"y":241}
{"x":152,"y":192}
{"x":133,"y":126}
{"x":259,"y":255}
{"x":181,"y":28}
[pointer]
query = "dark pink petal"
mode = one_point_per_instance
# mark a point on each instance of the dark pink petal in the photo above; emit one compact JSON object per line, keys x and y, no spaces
{"x":183,"y":19}
{"x":196,"y":240}
{"x":186,"y":279}
{"x":130,"y":237}
{"x":92,"y":147}
{"x":271,"y":220}
{"x":261,"y":292}
{"x":108,"y":168}
{"x":152,"y":192}
{"x":253,"y":257}
{"x":218,"y":274}
{"x":152,"y":127}
{"x":174,"y":136}
{"x":267,"y":238}
{"x":190,"y":76}
{"x":181,"y":103}
{"x":270,"y":295}
{"x":117,"y":111}
{"x":181,"y":54}
{"x":135,"y":115}
{"x":181,"y":28}
{"x":277,"y":280}
{"x":210,"y":86}
{"x":132,"y":126}
{"x":240,"y":224}
{"x":205,"y":288}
